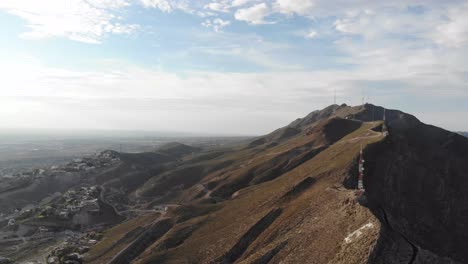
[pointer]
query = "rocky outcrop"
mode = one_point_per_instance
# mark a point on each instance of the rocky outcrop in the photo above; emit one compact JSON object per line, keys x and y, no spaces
{"x":416,"y":185}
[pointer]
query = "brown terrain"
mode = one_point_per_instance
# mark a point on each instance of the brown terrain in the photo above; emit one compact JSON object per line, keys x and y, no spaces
{"x":289,"y":196}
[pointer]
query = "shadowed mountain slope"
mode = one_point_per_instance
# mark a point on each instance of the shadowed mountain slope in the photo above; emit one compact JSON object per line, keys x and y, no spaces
{"x":178,"y":150}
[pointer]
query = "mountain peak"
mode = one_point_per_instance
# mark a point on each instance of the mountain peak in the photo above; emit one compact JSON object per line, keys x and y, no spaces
{"x":395,"y":119}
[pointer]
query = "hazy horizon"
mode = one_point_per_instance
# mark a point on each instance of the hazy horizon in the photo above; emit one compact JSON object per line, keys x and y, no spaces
{"x":136,"y":133}
{"x":112,"y":133}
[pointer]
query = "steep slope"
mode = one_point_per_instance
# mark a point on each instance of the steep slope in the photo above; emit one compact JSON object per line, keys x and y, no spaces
{"x":278,"y":160}
{"x":418,"y":188}
{"x":288,"y":219}
{"x":288,"y":197}
{"x":271,"y":216}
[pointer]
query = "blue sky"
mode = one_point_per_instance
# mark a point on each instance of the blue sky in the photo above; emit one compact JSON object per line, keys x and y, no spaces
{"x":228,"y":67}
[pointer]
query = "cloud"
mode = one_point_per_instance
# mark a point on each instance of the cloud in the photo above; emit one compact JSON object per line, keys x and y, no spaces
{"x":311,"y":34}
{"x":123,"y":95}
{"x":145,"y":99}
{"x":254,"y":15}
{"x":290,"y":7}
{"x":454,"y":32}
{"x":364,"y":22}
{"x":163,"y":5}
{"x":85,"y":21}
{"x":251,"y":50}
{"x":223,"y":6}
{"x":217,"y":24}
{"x":237,"y":3}
{"x":168,"y":6}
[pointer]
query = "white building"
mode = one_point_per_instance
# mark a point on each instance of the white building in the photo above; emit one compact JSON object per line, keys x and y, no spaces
{"x":11,"y":222}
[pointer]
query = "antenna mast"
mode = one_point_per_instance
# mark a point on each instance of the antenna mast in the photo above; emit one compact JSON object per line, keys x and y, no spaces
{"x":361,"y":172}
{"x":384,"y":125}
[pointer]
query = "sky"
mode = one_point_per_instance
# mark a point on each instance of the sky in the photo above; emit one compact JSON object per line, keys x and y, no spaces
{"x":241,"y":67}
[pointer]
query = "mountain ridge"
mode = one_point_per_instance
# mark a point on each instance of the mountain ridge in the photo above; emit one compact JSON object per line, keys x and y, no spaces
{"x":274,"y":199}
{"x":290,"y":196}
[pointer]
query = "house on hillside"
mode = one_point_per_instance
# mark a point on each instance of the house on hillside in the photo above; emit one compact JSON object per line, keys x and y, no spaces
{"x":11,"y":222}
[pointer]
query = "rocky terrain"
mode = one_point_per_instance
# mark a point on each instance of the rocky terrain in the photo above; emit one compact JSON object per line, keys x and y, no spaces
{"x":289,"y":196}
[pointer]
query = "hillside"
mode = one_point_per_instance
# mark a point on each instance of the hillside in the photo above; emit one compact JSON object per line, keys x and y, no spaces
{"x":289,"y":197}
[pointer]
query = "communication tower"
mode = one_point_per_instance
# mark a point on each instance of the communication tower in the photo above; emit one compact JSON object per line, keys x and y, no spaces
{"x":361,"y":172}
{"x":384,"y":125}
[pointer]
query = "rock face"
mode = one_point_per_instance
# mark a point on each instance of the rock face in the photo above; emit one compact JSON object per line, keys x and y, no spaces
{"x":417,"y":186}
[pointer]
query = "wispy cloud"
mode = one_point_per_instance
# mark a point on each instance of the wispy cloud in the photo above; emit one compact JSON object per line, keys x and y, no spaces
{"x":85,"y":21}
{"x":453,"y":32}
{"x":217,"y":24}
{"x":152,"y":99}
{"x":311,"y":34}
{"x":255,"y":14}
{"x":291,"y":7}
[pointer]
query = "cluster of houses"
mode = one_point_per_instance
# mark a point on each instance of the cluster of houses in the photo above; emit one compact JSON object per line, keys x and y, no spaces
{"x":72,"y":250}
{"x":103,"y":159}
{"x":78,"y":165}
{"x":77,"y":206}
{"x":99,"y":160}
{"x":74,"y":202}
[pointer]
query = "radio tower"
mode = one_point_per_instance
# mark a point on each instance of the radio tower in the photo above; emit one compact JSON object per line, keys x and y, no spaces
{"x":361,"y":172}
{"x":384,"y":126}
